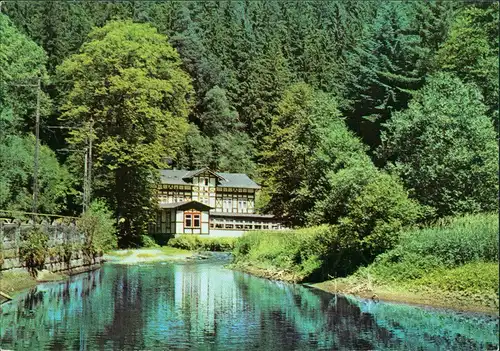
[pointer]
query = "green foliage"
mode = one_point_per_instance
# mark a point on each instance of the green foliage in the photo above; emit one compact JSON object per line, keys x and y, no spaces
{"x":223,"y":145}
{"x":474,"y":277}
{"x":148,"y":241}
{"x":451,"y":243}
{"x":21,"y":62}
{"x":389,"y":67}
{"x":444,"y":149}
{"x":308,"y":140}
{"x":195,"y":242}
{"x":127,"y":79}
{"x":301,"y":252}
{"x":377,"y":215}
{"x":16,"y":176}
{"x":98,"y":225}
{"x":471,"y":51}
{"x":34,"y":248}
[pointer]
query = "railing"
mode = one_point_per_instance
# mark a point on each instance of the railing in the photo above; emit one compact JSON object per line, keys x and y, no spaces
{"x":12,"y":216}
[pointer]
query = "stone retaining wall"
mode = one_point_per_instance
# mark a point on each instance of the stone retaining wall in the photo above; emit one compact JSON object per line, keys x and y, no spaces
{"x":11,"y":235}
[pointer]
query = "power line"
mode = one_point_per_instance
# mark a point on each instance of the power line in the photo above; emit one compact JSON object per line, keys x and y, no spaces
{"x":87,"y":165}
{"x":37,"y":133}
{"x":38,"y":87}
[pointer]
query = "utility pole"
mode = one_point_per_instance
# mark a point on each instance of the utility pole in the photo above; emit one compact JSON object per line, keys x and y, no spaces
{"x":37,"y":143}
{"x":85,"y":183}
{"x":91,"y":136}
{"x":87,"y":163}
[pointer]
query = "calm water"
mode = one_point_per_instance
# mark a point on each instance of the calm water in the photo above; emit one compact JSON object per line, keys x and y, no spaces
{"x":202,"y":306}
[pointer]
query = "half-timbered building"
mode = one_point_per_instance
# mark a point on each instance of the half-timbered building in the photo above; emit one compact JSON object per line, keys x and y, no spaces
{"x":205,"y":202}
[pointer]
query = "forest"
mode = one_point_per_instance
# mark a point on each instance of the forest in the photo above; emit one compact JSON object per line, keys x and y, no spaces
{"x":370,"y":115}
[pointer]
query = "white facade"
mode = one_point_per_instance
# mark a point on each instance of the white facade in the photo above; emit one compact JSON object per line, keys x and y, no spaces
{"x":204,"y":202}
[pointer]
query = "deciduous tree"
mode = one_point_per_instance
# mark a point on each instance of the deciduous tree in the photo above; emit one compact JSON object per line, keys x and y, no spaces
{"x":127,"y":79}
{"x":444,"y":148}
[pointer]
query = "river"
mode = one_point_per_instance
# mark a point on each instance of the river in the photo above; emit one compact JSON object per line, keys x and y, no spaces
{"x":203,"y":306}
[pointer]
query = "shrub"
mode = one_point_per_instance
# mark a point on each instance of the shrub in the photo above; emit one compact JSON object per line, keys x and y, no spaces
{"x":195,"y":242}
{"x":377,"y":214}
{"x":456,"y":241}
{"x":34,"y":248}
{"x":451,"y":243}
{"x":148,"y":241}
{"x":98,"y":226}
{"x":302,"y":251}
{"x":444,"y":147}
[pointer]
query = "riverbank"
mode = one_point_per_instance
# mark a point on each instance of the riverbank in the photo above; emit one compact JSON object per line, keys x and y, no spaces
{"x":482,"y":301}
{"x":452,"y":264}
{"x":133,"y":256}
{"x":415,"y":292}
{"x":13,"y":283}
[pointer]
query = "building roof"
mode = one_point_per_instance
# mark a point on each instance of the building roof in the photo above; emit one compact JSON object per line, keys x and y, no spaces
{"x":227,"y":180}
{"x":187,"y":205}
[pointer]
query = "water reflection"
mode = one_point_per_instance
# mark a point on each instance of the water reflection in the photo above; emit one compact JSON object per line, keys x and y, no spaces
{"x":204,"y":306}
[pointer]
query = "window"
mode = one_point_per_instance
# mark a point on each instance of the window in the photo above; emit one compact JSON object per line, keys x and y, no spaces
{"x":242,"y":205}
{"x":227,"y":204}
{"x":205,"y":181}
{"x":188,"y":222}
{"x":196,"y":221}
{"x":192,"y":220}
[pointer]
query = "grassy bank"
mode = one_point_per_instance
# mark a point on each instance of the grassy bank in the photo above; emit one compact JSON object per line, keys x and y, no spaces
{"x":290,"y":255}
{"x":12,"y":283}
{"x":153,"y":254}
{"x":198,"y":243}
{"x":454,"y":263}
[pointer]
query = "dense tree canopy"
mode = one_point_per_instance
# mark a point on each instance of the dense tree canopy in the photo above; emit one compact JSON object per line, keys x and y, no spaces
{"x":444,"y":149}
{"x":308,"y":140}
{"x":126,"y":79}
{"x":471,"y":52}
{"x":23,"y":62}
{"x":299,"y":95}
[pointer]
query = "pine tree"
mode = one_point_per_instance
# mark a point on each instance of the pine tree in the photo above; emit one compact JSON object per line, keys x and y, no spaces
{"x":390,"y":70}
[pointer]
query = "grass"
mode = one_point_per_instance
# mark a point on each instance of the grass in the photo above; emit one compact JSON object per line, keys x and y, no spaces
{"x":292,"y":255}
{"x":453,"y":263}
{"x":14,"y":282}
{"x":121,"y":253}
{"x":145,"y":255}
{"x":169,"y":250}
{"x":198,"y":243}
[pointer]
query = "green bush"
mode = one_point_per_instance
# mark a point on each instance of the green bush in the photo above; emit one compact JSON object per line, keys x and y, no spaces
{"x":195,"y":242}
{"x":34,"y":248}
{"x":97,"y":224}
{"x":457,"y":240}
{"x":472,"y":277}
{"x":148,"y":241}
{"x":376,"y":216}
{"x":302,"y":252}
{"x":451,"y":243}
